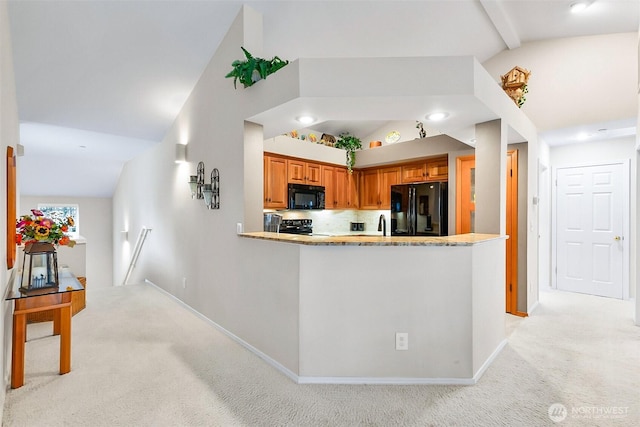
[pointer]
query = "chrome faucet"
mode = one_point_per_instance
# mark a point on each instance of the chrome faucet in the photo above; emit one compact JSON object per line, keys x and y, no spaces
{"x":382,"y":225}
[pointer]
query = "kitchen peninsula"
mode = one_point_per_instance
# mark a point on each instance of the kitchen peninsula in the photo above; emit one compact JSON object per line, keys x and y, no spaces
{"x":341,"y":300}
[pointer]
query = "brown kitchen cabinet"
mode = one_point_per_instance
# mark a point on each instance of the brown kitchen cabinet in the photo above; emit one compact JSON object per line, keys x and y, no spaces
{"x":438,"y":169}
{"x":414,"y":172}
{"x":340,"y":187}
{"x":275,"y":182}
{"x":301,"y":172}
{"x":375,"y":187}
{"x":434,"y":169}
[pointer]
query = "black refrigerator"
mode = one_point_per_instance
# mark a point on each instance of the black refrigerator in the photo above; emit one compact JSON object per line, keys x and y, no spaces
{"x":419,"y":209}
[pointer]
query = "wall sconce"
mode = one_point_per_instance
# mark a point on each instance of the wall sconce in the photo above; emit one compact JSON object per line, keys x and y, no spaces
{"x":209,"y":192}
{"x":196,"y":182}
{"x":181,"y":153}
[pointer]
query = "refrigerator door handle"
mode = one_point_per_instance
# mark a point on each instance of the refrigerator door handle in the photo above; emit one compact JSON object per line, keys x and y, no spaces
{"x":411,"y":213}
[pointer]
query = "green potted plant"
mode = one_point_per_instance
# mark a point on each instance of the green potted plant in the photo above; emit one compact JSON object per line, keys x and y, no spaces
{"x":349,"y":143}
{"x":253,"y":69}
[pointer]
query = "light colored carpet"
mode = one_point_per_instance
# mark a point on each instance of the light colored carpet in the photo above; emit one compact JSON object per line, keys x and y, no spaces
{"x":141,"y":359}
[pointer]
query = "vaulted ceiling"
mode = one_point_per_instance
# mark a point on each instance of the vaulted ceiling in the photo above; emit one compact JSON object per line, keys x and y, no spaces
{"x":100,"y":81}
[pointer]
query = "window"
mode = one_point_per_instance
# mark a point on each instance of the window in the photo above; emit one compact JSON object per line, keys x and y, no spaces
{"x":61,"y":211}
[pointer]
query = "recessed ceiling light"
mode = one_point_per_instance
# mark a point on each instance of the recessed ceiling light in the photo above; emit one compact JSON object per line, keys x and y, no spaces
{"x":582,"y":136}
{"x":434,"y":117}
{"x":305,"y":120}
{"x":579,"y":6}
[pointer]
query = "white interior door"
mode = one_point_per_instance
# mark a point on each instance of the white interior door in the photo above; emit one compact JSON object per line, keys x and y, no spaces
{"x":590,"y":224}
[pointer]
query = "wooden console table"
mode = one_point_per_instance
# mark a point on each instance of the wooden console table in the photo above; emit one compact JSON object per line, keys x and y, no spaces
{"x":56,"y":299}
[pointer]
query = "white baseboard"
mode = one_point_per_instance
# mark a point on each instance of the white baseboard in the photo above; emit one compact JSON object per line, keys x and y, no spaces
{"x":489,"y":361}
{"x":386,"y":381}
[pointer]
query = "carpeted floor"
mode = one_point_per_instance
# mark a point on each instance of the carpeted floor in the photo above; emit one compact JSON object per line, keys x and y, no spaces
{"x":141,"y":359}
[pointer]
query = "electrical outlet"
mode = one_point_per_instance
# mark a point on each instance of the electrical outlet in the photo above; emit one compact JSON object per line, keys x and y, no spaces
{"x":402,"y":341}
{"x":239,"y":228}
{"x":184,"y":282}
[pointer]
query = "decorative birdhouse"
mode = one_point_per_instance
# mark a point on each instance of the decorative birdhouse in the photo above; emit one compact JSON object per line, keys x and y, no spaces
{"x":514,"y":83}
{"x":39,"y":266}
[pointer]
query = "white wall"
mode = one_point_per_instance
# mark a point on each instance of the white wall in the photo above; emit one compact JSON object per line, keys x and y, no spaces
{"x":567,"y":88}
{"x":587,"y":79}
{"x":96,"y":226}
{"x":189,"y":243}
{"x":9,"y":136}
{"x":635,"y":210}
{"x":416,"y":296}
{"x":544,"y":220}
{"x":597,"y":153}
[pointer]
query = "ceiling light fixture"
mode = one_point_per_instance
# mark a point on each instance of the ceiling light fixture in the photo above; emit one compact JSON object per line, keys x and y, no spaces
{"x":579,"y":6}
{"x":435,"y":117}
{"x":582,"y":136}
{"x":305,"y":120}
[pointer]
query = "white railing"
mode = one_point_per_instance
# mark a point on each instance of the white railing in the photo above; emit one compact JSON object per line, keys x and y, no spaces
{"x":136,"y":252}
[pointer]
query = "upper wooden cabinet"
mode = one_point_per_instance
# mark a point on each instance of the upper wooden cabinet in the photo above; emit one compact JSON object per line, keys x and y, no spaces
{"x":275,"y":182}
{"x":414,"y":172}
{"x":340,"y":187}
{"x":363,"y":189}
{"x":301,"y":172}
{"x":435,"y":169}
{"x":438,"y":169}
{"x":375,"y":187}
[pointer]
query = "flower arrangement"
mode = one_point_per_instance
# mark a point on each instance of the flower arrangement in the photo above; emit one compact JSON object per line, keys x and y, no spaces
{"x":38,"y":228}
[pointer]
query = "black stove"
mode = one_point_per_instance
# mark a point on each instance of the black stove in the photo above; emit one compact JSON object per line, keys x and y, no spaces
{"x":296,"y":226}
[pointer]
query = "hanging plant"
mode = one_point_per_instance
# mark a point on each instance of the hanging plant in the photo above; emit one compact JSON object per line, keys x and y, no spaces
{"x":253,"y":69}
{"x":351,"y":144}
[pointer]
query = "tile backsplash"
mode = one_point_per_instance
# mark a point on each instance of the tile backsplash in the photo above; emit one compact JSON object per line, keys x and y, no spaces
{"x":339,"y":221}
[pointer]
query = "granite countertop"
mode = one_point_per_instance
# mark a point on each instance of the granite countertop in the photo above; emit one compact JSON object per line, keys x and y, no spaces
{"x":370,"y":240}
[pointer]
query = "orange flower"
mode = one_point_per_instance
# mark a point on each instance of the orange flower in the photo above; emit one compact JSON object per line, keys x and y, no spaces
{"x":64,"y":228}
{"x":64,"y":240}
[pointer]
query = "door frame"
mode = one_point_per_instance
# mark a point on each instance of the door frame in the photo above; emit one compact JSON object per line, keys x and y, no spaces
{"x":512,"y":241}
{"x":459,"y":161}
{"x":511,"y":262}
{"x":625,"y":220}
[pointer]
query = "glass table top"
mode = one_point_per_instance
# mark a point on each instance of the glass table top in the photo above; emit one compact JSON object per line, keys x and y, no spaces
{"x":67,"y":283}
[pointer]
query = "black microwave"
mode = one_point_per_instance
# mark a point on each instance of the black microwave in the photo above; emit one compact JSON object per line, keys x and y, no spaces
{"x":306,"y":196}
